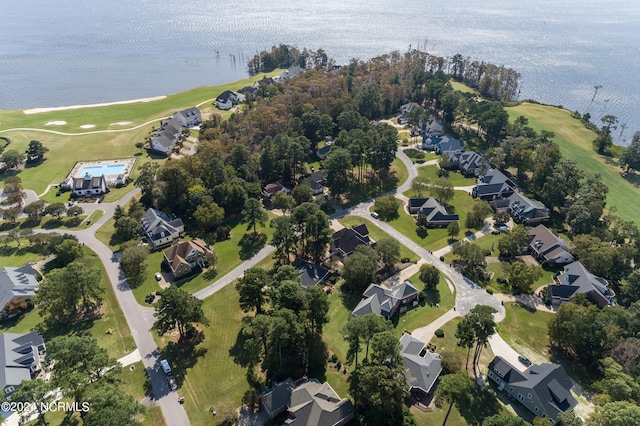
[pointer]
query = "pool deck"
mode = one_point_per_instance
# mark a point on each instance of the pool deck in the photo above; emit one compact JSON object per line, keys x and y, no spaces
{"x":127,"y":163}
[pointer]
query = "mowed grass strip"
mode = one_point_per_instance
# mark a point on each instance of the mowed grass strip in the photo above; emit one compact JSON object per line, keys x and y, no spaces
{"x":523,"y":327}
{"x":575,"y":141}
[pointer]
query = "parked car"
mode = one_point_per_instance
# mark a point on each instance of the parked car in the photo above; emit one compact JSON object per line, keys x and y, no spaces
{"x":165,"y":367}
{"x":524,"y":360}
{"x":172,"y":383}
{"x":503,"y":228}
{"x":158,"y":276}
{"x":375,"y":215}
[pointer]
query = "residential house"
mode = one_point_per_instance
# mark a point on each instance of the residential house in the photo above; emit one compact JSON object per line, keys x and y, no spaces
{"x":346,"y":240}
{"x":267,"y":81}
{"x":543,"y":389}
{"x":183,"y":257}
{"x":431,"y":208}
{"x":21,"y":358}
{"x":160,"y":229}
{"x":404,"y":112}
{"x":247,"y":92}
{"x":523,"y":209}
{"x":433,"y":127}
{"x":166,"y":137}
{"x":189,"y":117}
{"x":89,"y":185}
{"x":226,"y":100}
{"x":422,"y":366}
{"x":547,"y":247}
{"x":290,"y":73}
{"x":441,"y":144}
{"x":271,"y":189}
{"x":322,"y":153}
{"x":384,"y":301}
{"x":311,"y":274}
{"x":493,"y":184}
{"x":470,"y":163}
{"x":316,"y":180}
{"x":574,"y":279}
{"x":17,"y":283}
{"x":308,"y":403}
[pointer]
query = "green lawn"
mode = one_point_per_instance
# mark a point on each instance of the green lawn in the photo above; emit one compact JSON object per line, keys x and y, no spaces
{"x":462,"y":87}
{"x":575,"y":141}
{"x":49,"y":222}
{"x":12,"y":255}
{"x":376,"y":233}
{"x":105,"y":234}
{"x":423,"y":315}
{"x":400,"y":171}
{"x":523,"y":328}
{"x":456,"y":179}
{"x":500,"y":270}
{"x":207,"y":376}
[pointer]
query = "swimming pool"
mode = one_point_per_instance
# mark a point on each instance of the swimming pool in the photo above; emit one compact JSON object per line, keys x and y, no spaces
{"x":102,"y":169}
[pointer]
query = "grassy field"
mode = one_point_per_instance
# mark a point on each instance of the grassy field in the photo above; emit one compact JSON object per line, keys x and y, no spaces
{"x":48,"y":222}
{"x":207,"y":376}
{"x":12,"y":255}
{"x":524,"y":330}
{"x":456,"y":179}
{"x":575,"y":141}
{"x":376,"y":233}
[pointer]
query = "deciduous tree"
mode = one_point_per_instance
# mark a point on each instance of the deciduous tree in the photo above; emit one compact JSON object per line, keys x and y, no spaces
{"x":359,"y":268}
{"x":387,"y":207}
{"x":454,"y":389}
{"x":251,"y":288}
{"x":178,"y":309}
{"x":389,"y":251}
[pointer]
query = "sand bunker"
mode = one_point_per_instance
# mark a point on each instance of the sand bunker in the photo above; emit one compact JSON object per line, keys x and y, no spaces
{"x":87,"y":126}
{"x":56,"y":123}
{"x":121,"y":123}
{"x":132,"y":101}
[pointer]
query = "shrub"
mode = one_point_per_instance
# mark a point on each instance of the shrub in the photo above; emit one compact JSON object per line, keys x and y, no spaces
{"x":405,"y":260}
{"x":441,"y":258}
{"x":439,"y":333}
{"x":334,"y":358}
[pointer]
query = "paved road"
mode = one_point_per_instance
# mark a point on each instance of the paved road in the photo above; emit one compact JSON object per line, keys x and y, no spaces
{"x":236,"y":273}
{"x":139,"y":318}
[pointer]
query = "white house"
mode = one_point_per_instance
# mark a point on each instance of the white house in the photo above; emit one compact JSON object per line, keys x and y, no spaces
{"x":189,"y":117}
{"x":89,"y":185}
{"x":226,"y":100}
{"x":166,"y":137}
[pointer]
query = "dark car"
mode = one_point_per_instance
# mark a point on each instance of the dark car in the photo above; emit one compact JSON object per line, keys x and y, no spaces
{"x":524,"y":360}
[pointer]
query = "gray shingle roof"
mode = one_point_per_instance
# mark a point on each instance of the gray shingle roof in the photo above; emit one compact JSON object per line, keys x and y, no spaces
{"x":422,"y":367}
{"x":382,"y":301}
{"x":18,"y":352}
{"x":594,"y":287}
{"x":17,"y":283}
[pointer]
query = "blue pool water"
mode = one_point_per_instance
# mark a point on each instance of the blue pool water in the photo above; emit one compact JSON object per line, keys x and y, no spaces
{"x":104,"y":169}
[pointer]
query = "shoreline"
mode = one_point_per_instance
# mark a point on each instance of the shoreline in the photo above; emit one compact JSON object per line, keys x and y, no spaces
{"x":65,"y":108}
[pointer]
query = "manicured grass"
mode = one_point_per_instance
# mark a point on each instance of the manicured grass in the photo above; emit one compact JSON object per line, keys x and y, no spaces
{"x":149,"y":285}
{"x":207,"y":375}
{"x":134,"y":382}
{"x":105,"y":234}
{"x":111,"y":329}
{"x":400,"y":171}
{"x":376,"y":233}
{"x":153,"y":417}
{"x":462,"y":87}
{"x":523,"y":328}
{"x":500,"y":270}
{"x":575,"y":141}
{"x":49,"y":222}
{"x":21,"y":324}
{"x":12,"y":255}
{"x":456,"y":179}
{"x":423,"y":315}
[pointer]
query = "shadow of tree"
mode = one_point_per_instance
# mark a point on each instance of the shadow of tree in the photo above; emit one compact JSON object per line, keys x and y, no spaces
{"x":250,"y":244}
{"x":183,"y":356}
{"x":240,"y":350}
{"x":631,"y":177}
{"x":349,"y":300}
{"x":485,"y":404}
{"x":431,"y":296}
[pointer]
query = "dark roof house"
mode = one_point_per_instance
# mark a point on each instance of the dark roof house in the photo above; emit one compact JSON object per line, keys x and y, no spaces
{"x":316,"y":180}
{"x":346,"y":240}
{"x":189,"y":117}
{"x":311,"y":274}
{"x":431,"y":208}
{"x":226,"y":100}
{"x":422,"y":366}
{"x":17,"y":283}
{"x":160,"y":229}
{"x":441,"y":144}
{"x":546,"y":246}
{"x":89,"y":185}
{"x":166,"y":137}
{"x":543,"y":389}
{"x":21,"y":358}
{"x":524,"y":209}
{"x":575,"y":278}
{"x":470,"y":163}
{"x":493,"y":184}
{"x":309,"y":403}
{"x":384,"y":301}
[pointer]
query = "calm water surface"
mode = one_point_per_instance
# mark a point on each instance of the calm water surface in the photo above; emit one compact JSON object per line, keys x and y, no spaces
{"x":67,"y":52}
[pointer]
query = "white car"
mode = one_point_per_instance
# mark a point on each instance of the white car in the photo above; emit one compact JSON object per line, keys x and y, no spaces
{"x":375,"y":215}
{"x":503,"y":228}
{"x":158,"y":276}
